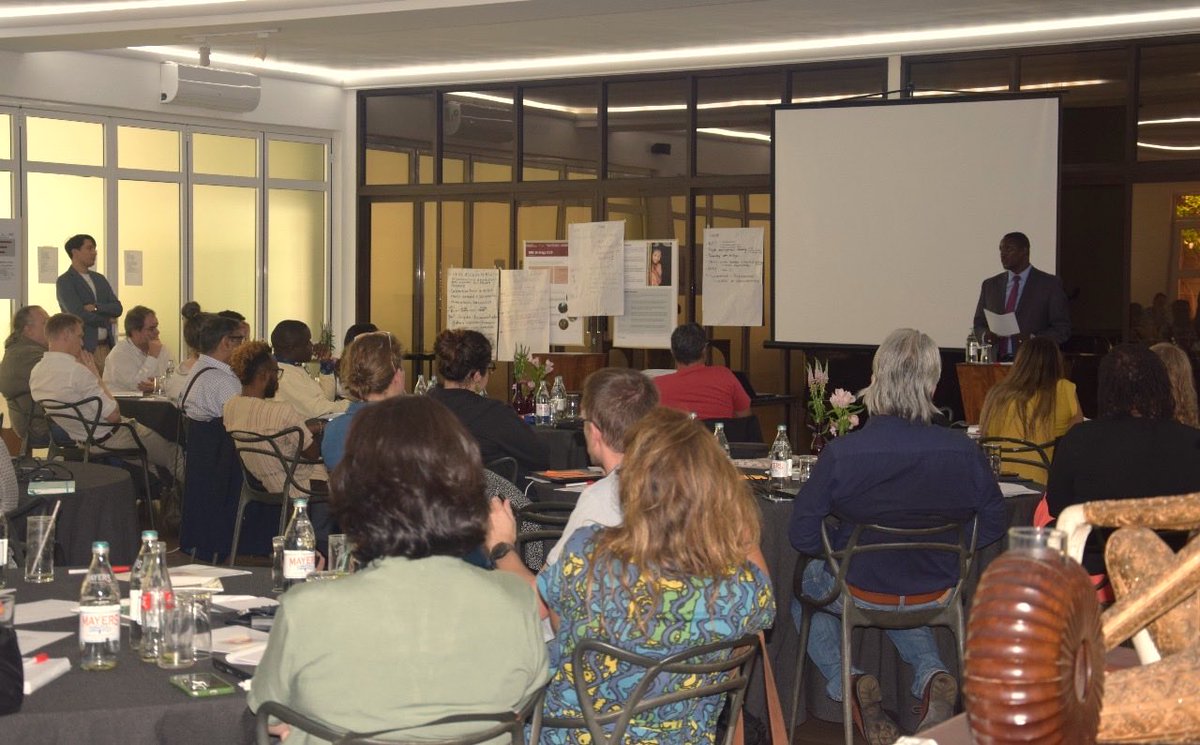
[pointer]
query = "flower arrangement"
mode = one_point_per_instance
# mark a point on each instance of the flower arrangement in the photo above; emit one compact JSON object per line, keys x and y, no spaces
{"x":837,"y":417}
{"x":530,"y":371}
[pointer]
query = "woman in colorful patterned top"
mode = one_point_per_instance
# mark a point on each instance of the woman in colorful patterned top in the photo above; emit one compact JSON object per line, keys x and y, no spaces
{"x":674,"y":575}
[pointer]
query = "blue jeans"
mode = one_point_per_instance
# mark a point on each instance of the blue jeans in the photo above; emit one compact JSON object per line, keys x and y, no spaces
{"x":916,"y":646}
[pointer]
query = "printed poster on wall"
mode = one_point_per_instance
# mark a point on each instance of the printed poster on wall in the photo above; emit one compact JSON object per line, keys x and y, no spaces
{"x":47,"y":264}
{"x":10,"y":258}
{"x":566,"y":326}
{"x":733,"y":277}
{"x":596,"y":256}
{"x":133,"y":268}
{"x":651,"y":295}
{"x":472,"y":297}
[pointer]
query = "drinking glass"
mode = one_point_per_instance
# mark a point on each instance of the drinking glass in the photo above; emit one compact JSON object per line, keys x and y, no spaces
{"x":39,"y":549}
{"x":200,"y":601}
{"x":995,"y":456}
{"x":8,"y":607}
{"x":341,"y":558}
{"x":572,"y":410}
{"x":277,"y":581}
{"x":804,"y":467}
{"x":1025,"y":538}
{"x":179,"y":635}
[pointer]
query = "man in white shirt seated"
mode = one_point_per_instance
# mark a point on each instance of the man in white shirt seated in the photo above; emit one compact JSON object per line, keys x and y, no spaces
{"x":67,"y":373}
{"x":614,"y":399}
{"x":292,"y":342}
{"x":139,"y":358}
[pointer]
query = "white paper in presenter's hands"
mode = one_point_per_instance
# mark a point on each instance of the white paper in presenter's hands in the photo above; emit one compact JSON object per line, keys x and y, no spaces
{"x":1002,"y":324}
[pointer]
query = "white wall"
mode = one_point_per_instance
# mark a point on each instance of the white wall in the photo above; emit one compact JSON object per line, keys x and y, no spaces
{"x":123,"y":86}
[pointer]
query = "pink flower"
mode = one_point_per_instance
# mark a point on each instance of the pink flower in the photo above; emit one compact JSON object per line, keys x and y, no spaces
{"x":549,"y":367}
{"x":833,"y":429}
{"x":818,"y":376}
{"x":841,"y":398}
{"x":853,"y":421}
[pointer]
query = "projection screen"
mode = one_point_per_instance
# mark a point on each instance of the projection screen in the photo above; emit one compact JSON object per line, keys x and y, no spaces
{"x":889,"y":214}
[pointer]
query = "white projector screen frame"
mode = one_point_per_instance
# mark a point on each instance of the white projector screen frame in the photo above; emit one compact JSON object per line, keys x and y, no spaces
{"x":890,"y":214}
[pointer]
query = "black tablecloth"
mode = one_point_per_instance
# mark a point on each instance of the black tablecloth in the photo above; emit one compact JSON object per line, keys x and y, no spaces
{"x":133,"y":703}
{"x":159,"y":414}
{"x":102,"y":508}
{"x":566,"y":447}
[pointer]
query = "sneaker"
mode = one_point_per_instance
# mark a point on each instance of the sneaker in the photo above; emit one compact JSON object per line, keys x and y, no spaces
{"x":937,"y":705}
{"x":869,"y":717}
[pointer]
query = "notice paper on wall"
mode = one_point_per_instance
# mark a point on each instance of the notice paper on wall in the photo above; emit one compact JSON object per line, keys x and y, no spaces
{"x":733,"y":277}
{"x":651,"y":295}
{"x":47,"y":264}
{"x":133,"y":268}
{"x":596,"y":258}
{"x":10,"y":258}
{"x":566,"y":326}
{"x":524,"y":312}
{"x":472,"y":301}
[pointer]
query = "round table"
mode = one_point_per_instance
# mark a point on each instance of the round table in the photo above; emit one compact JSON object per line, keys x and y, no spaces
{"x":102,"y":508}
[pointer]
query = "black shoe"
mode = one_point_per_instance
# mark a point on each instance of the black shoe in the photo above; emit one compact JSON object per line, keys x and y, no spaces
{"x":937,"y":705}
{"x":869,"y":717}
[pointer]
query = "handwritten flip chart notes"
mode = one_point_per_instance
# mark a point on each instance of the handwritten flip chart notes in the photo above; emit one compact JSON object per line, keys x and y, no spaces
{"x":524,"y":312}
{"x":48,"y":264}
{"x":472,"y":297}
{"x":733,"y":276}
{"x":650,"y":296}
{"x":597,"y":261}
{"x":566,"y":325}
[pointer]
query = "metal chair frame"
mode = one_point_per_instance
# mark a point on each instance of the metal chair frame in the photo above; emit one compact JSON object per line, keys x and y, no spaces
{"x":1015,"y":446}
{"x":950,"y":614}
{"x":512,"y":722}
{"x":91,"y":446}
{"x":505,"y":467}
{"x":743,"y":652}
{"x":552,"y":517}
{"x":253,"y":443}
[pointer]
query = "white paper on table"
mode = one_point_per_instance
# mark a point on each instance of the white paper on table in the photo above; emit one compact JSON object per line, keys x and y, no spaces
{"x":524,"y":312}
{"x":242,"y":603}
{"x":597,"y":268}
{"x":48,"y":264}
{"x":1002,"y":324}
{"x":126,"y":394}
{"x":472,"y":301}
{"x":30,"y":641}
{"x":733,"y":277}
{"x":250,"y":654}
{"x":38,"y":674}
{"x":44,"y":610}
{"x":232,"y":639}
{"x":204,"y":570}
{"x":566,"y":328}
{"x":1014,"y":489}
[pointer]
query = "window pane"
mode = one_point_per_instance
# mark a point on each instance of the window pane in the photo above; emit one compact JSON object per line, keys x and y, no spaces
{"x":391,"y":269}
{"x":1093,"y":100}
{"x":222,"y":155}
{"x":647,"y":128}
{"x":987,"y":75}
{"x":5,"y":137}
{"x":560,"y":131}
{"x":61,"y":206}
{"x":148,"y":223}
{"x":296,"y":257}
{"x":479,"y":124}
{"x":1169,"y":109}
{"x":148,"y":149}
{"x":733,"y":122}
{"x":432,"y":231}
{"x":817,"y":83}
{"x":65,"y":141}
{"x":224,"y":226}
{"x":6,"y":203}
{"x":388,"y":166}
{"x":303,"y":161}
{"x":395,"y":123}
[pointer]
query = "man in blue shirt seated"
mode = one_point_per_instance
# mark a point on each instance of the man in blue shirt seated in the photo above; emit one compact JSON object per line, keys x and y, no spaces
{"x":901,"y":471}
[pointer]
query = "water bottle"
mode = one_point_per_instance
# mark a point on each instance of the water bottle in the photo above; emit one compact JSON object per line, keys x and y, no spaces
{"x":781,"y":459}
{"x":3,"y":550}
{"x":722,"y":440}
{"x":99,"y":613}
{"x":299,"y":546}
{"x":541,"y":404}
{"x":157,"y":596}
{"x":558,"y":399}
{"x":421,"y":387}
{"x":972,"y":347}
{"x":135,"y":589}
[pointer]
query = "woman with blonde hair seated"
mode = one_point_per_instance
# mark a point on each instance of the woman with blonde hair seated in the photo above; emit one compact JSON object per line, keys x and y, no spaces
{"x":1183,"y":384}
{"x":672,"y":576}
{"x":370,"y":370}
{"x":1035,"y":402}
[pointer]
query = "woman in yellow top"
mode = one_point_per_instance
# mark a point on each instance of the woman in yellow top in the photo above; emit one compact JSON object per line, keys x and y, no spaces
{"x":1035,"y":402}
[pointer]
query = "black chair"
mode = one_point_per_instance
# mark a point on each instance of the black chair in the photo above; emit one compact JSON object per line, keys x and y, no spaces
{"x":739,"y":428}
{"x":98,"y":432}
{"x":728,"y":674}
{"x":32,"y":413}
{"x":505,"y":467}
{"x":495,"y":725}
{"x":949,"y":614}
{"x":540,"y":525}
{"x":269,"y":446}
{"x":1024,"y":452}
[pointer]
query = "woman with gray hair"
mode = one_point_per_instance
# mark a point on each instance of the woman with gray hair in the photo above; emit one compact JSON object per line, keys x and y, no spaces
{"x":901,"y":471}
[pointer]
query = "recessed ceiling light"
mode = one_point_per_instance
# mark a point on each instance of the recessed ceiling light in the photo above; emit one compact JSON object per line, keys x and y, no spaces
{"x":65,"y":9}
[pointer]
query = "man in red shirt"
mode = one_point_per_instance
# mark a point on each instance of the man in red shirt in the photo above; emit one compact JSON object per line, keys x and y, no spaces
{"x":710,"y":392}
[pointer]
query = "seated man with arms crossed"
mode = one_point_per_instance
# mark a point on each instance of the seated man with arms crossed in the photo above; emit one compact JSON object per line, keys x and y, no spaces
{"x":901,"y":471}
{"x":139,"y":358}
{"x":292,"y":341}
{"x":67,"y":373}
{"x":694,"y":387}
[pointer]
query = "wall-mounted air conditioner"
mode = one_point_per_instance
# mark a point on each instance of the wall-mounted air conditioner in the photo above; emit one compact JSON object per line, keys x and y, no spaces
{"x":472,"y":121}
{"x":209,"y":88}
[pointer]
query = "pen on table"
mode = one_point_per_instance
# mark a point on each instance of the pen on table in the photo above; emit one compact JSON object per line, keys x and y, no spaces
{"x":116,"y":570}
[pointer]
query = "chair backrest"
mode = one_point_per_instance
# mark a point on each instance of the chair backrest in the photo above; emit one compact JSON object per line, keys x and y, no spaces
{"x":506,"y":467}
{"x":95,"y":429}
{"x":492,"y":726}
{"x":724,"y":665}
{"x":1025,"y":452}
{"x":739,"y":429}
{"x":272,"y":446}
{"x":548,"y":519}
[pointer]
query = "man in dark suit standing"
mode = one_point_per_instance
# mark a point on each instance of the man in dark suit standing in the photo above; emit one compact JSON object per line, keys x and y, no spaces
{"x":88,"y":295}
{"x":1035,"y":296}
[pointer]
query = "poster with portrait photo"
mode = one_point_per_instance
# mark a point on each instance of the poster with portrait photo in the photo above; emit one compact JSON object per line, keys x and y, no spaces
{"x":651,"y":310}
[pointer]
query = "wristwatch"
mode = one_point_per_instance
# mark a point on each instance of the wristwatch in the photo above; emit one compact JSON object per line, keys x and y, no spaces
{"x":500,"y":550}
